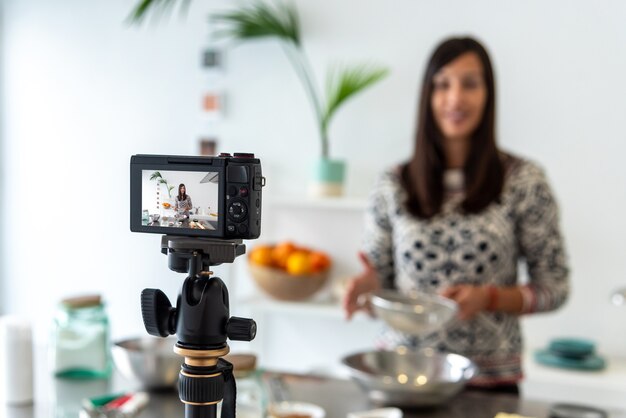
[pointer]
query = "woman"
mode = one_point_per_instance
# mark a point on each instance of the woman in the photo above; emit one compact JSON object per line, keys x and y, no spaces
{"x":456,"y":219}
{"x":183,"y":202}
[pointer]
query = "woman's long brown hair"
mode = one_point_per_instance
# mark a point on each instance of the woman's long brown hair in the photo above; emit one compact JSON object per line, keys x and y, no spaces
{"x":422,"y":176}
{"x":182,"y":196}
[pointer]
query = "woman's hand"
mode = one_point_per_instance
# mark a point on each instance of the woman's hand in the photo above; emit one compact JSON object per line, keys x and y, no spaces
{"x":364,"y":283}
{"x":471,"y":299}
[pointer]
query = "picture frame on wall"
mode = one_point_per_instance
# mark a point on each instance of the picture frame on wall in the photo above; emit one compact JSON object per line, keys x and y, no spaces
{"x":208,"y":146}
{"x":213,"y":104}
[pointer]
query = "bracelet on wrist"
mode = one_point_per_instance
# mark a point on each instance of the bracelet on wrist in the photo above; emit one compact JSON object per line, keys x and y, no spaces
{"x":492,"y":298}
{"x":528,"y":299}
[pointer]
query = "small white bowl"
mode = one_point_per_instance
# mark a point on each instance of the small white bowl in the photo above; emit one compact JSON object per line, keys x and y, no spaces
{"x":378,"y":413}
{"x":287,"y":409}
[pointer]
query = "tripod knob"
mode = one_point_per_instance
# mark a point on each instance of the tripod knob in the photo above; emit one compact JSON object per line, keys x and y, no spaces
{"x":241,"y":329}
{"x":159,"y":317}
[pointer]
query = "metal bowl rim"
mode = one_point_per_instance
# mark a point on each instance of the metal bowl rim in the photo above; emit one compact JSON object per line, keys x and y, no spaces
{"x":152,"y":345}
{"x":364,"y":376}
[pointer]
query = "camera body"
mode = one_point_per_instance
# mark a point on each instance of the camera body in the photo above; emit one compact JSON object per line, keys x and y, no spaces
{"x":212,"y":197}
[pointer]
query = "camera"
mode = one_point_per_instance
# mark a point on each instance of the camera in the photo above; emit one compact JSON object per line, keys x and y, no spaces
{"x":214,"y":197}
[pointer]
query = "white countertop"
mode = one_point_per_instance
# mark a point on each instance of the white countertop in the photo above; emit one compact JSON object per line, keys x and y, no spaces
{"x":602,"y":388}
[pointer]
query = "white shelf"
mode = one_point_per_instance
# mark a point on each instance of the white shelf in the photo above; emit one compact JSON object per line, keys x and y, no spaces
{"x":319,"y":309}
{"x":306,"y":202}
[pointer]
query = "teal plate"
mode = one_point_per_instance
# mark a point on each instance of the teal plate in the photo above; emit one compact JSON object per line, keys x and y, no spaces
{"x":572,"y":347}
{"x":592,"y":362}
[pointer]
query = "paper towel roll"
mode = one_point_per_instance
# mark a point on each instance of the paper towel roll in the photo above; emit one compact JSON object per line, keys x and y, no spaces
{"x":16,"y":360}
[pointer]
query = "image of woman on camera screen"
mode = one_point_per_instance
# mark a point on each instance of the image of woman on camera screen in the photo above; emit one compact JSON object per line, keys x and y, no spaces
{"x":183,"y":203}
{"x":457,"y":217}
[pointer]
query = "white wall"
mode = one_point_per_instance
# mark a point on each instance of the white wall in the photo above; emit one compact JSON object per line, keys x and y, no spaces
{"x":82,"y":92}
{"x":3,"y":174}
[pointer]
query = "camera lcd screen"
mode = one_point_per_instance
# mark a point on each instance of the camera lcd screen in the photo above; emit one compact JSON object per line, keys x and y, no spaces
{"x":190,"y":196}
{"x":180,"y":199}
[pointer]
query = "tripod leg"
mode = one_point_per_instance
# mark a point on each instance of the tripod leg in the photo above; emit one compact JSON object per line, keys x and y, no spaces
{"x":200,"y":411}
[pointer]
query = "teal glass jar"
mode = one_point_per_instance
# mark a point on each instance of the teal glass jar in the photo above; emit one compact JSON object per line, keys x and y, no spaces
{"x":81,"y":339}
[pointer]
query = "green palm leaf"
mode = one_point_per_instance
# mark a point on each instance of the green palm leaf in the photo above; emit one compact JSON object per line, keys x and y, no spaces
{"x":343,"y":83}
{"x":155,"y":175}
{"x":144,"y":6}
{"x":260,"y":20}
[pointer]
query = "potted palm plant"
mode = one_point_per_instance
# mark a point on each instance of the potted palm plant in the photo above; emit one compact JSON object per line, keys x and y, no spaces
{"x":164,"y":203}
{"x":257,"y":20}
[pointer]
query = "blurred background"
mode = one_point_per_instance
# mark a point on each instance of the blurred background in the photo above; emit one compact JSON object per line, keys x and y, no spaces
{"x":83,"y":90}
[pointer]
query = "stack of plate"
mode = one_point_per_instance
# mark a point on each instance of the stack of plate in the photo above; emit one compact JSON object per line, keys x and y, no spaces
{"x":571,"y":353}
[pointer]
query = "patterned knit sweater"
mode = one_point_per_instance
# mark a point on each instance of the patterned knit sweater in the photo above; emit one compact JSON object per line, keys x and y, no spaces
{"x":412,"y":254}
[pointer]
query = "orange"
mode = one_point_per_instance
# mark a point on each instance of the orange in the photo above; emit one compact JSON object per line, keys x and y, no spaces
{"x":261,"y":255}
{"x":281,"y":253}
{"x":298,"y":263}
{"x":319,"y":261}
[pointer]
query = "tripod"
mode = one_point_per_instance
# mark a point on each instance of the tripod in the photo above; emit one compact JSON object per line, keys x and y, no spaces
{"x":201,"y":321}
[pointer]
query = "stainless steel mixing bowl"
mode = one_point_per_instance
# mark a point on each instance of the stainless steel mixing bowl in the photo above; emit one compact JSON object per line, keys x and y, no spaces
{"x":415,"y":313}
{"x":149,"y":360}
{"x":410,"y":378}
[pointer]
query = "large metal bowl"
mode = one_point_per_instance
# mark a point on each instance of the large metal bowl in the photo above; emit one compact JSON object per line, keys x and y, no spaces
{"x":415,"y":313}
{"x":149,"y":360}
{"x":410,"y":378}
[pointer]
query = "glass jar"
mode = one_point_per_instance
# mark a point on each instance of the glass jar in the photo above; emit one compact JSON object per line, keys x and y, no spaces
{"x":251,"y":397}
{"x":80,"y":341}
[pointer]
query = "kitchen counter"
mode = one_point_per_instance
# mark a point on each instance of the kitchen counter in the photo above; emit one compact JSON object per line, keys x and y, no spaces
{"x":605,"y":387}
{"x":339,"y":397}
{"x":62,"y":399}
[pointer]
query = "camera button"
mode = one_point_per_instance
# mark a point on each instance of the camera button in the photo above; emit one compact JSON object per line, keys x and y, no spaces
{"x":258,"y":182}
{"x":230,"y":228}
{"x":243,"y":191}
{"x":232,"y":190}
{"x":257,"y":203}
{"x":243,"y":228}
{"x":237,"y":211}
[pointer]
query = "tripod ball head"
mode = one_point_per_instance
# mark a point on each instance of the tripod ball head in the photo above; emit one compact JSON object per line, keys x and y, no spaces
{"x":201,"y":318}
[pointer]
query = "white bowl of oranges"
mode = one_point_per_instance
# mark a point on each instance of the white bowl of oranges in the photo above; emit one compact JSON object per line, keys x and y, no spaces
{"x":287,"y":271}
